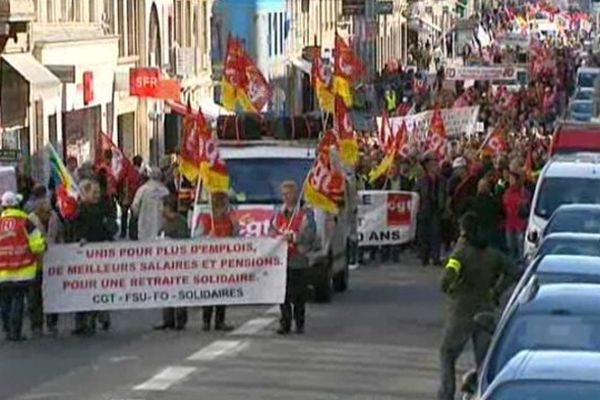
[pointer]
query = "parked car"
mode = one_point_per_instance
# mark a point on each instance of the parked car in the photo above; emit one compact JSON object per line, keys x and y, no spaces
{"x":558,"y":269}
{"x":550,"y":317}
{"x":566,"y":179}
{"x":569,"y":243}
{"x":548,"y":375}
{"x":581,"y":110}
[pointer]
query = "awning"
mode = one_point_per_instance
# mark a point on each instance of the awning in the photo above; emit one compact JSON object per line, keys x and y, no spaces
{"x":301,"y":64}
{"x":422,"y":25}
{"x":31,"y":70}
{"x":209,"y":108}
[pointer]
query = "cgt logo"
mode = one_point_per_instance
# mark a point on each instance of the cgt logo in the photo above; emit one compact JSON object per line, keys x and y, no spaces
{"x":398,"y":209}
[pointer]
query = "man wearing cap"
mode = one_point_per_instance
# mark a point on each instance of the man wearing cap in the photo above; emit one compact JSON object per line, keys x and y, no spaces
{"x":20,"y":245}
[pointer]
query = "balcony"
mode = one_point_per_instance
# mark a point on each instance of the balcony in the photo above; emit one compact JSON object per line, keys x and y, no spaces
{"x":17,"y":10}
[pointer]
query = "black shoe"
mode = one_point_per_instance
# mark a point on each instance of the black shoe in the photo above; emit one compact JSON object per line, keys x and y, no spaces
{"x":206,"y":326}
{"x":283,"y":331}
{"x":180,"y":327}
{"x":16,"y":338}
{"x":105,"y":326}
{"x":300,"y":330}
{"x":424,"y":263}
{"x":223,"y":327}
{"x":437,"y":263}
{"x":163,"y":327}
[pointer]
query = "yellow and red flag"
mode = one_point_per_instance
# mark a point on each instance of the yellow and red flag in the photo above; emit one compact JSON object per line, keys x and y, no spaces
{"x":213,"y":171}
{"x":346,"y":139}
{"x":436,"y":137}
{"x":324,"y":188}
{"x":189,"y":158}
{"x":322,"y":85}
{"x":347,"y":69}
{"x":495,"y":143}
{"x":398,"y":146}
{"x":243,"y":84}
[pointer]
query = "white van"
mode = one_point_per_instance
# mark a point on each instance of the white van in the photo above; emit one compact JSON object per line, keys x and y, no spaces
{"x":566,"y":179}
{"x":256,"y":170}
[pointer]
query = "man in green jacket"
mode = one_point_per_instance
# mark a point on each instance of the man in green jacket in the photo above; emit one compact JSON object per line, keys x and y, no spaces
{"x":474,"y":278}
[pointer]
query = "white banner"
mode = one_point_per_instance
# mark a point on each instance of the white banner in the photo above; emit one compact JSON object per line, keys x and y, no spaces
{"x":169,"y":273}
{"x":386,"y":217}
{"x":458,"y":122}
{"x":507,"y":73}
{"x":514,"y":39}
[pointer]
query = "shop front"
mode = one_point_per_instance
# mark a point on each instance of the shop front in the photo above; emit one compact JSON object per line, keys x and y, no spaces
{"x":29,"y":96}
{"x":87,"y":92}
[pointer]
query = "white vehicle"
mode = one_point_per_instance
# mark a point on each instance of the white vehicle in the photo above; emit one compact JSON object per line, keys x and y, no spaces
{"x":256,"y":170}
{"x":566,"y":179}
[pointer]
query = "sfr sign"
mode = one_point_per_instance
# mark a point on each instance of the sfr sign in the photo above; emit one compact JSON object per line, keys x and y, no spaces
{"x":144,"y":82}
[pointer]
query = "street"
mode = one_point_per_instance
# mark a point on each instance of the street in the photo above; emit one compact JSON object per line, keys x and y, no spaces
{"x":377,"y":341}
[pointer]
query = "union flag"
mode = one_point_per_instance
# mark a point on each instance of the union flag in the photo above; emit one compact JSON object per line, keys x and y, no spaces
{"x":347,"y":69}
{"x":436,"y":137}
{"x":345,"y":133}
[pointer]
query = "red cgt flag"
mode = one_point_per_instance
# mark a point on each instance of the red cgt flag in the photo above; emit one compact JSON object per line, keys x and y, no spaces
{"x":346,"y":64}
{"x":402,"y":144}
{"x":189,"y":159}
{"x":436,"y":137}
{"x":385,"y":137}
{"x":118,"y":167}
{"x":495,"y":143}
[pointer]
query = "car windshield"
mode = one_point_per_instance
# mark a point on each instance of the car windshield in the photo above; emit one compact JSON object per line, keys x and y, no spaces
{"x":257,"y":180}
{"x":569,"y":247}
{"x":577,"y":221}
{"x":553,"y":277}
{"x":582,"y":107}
{"x":586,"y":79}
{"x":545,"y":332}
{"x":584,"y":95}
{"x":555,"y":192}
{"x":547,"y":390}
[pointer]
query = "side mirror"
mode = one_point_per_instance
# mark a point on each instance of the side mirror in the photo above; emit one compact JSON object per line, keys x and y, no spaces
{"x":485,"y":321}
{"x":469,"y":382}
{"x":533,"y":237}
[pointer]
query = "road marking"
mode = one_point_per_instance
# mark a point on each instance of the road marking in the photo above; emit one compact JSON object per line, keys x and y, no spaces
{"x":273,"y":311}
{"x":165,"y":379}
{"x":253,"y":326}
{"x":218,"y":349}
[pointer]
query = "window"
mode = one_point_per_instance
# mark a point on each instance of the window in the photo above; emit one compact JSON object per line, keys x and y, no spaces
{"x":50,"y":11}
{"x":132,"y":12}
{"x":270,"y":37}
{"x":305,"y":6}
{"x":92,"y":11}
{"x":281,"y":32}
{"x":188,"y":24}
{"x":204,"y":23}
{"x":275,"y":34}
{"x":109,"y":13}
{"x":121,"y":27}
{"x":178,"y":23}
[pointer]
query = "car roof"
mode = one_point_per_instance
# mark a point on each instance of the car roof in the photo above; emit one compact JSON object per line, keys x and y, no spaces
{"x":562,"y":298}
{"x":578,"y":207}
{"x":585,"y":165}
{"x":267,"y":151}
{"x":571,"y":237}
{"x":565,"y":264}
{"x":551,"y":365}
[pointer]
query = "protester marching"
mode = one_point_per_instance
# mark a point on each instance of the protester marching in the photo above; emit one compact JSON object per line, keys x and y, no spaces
{"x":444,"y":170}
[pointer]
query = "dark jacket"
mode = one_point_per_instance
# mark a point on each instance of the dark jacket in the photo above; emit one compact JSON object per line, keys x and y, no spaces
{"x":92,"y":223}
{"x":432,"y":195}
{"x":176,"y":229}
{"x":475,"y":278}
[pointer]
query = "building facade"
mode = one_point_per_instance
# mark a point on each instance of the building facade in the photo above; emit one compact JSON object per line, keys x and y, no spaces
{"x":66,"y":64}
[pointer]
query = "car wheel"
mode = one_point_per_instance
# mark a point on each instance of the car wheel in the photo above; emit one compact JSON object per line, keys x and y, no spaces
{"x":340,"y":281}
{"x":324,"y":290}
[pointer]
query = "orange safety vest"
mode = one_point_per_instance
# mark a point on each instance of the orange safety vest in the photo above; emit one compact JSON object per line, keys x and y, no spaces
{"x":222,"y":226}
{"x":283,"y":224}
{"x":17,"y":262}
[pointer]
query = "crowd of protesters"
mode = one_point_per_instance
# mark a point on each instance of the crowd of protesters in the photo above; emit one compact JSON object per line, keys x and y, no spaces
{"x":496,"y":186}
